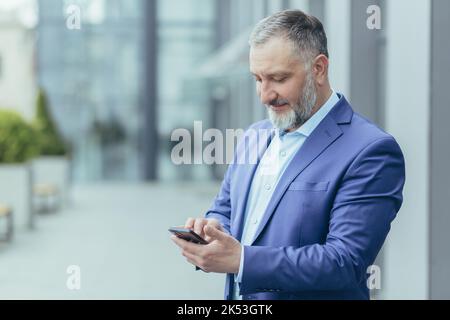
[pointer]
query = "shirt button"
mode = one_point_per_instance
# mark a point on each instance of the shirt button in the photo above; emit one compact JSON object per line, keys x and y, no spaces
{"x":283,"y":153}
{"x":255,"y":221}
{"x":268,"y":186}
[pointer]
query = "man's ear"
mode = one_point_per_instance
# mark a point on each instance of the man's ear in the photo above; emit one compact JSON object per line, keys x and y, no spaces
{"x":320,"y":69}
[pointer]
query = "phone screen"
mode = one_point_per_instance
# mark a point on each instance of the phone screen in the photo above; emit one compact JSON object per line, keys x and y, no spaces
{"x":188,"y":235}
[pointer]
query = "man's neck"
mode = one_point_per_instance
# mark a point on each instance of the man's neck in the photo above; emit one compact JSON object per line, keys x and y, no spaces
{"x":321,"y":99}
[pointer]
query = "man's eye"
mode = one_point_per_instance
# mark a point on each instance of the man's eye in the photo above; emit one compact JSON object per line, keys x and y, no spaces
{"x":279,"y":80}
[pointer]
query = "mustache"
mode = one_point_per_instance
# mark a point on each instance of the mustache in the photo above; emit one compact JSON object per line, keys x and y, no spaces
{"x":277,"y":102}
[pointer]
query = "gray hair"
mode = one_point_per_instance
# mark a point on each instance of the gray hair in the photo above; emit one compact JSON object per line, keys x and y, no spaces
{"x":304,"y":31}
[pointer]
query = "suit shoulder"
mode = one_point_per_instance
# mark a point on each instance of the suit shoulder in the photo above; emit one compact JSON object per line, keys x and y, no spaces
{"x":368,"y":131}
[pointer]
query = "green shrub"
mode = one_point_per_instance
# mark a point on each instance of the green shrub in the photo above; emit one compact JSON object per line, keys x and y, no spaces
{"x":17,"y":138}
{"x":50,"y":142}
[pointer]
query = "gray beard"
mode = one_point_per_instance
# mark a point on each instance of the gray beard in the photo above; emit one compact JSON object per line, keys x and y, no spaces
{"x":300,"y":112}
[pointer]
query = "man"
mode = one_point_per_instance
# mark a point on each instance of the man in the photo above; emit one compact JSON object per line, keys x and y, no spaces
{"x":310,"y":223}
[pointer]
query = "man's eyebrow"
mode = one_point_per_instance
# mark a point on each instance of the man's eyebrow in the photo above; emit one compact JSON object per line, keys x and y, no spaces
{"x":280,"y":74}
{"x":275,"y":74}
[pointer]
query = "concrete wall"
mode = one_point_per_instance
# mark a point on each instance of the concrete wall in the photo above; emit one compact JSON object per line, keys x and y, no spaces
{"x":407,"y":118}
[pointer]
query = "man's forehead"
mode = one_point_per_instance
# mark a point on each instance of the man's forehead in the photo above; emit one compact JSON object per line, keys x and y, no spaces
{"x":271,"y":67}
{"x":274,"y":57}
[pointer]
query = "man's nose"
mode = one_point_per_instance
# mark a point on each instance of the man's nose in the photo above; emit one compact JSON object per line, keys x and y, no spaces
{"x":267,"y":95}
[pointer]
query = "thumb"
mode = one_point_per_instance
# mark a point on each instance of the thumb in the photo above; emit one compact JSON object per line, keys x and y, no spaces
{"x":214,"y":232}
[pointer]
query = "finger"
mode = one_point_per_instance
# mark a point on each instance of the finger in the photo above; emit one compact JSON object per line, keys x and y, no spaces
{"x":214,"y":233}
{"x":191,"y":257}
{"x":216,"y":223}
{"x":196,"y":264}
{"x":189,"y":223}
{"x":183,"y":244}
{"x":208,"y":238}
{"x":198,"y":226}
{"x":186,"y":245}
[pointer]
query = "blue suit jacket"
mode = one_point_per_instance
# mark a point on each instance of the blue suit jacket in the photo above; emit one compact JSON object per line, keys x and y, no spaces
{"x":329,"y":214}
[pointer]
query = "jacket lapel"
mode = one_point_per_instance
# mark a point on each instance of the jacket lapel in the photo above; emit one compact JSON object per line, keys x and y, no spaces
{"x":245,"y":172}
{"x":325,"y":134}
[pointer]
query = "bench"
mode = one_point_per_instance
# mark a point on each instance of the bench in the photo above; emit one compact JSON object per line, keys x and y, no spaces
{"x":48,"y":196}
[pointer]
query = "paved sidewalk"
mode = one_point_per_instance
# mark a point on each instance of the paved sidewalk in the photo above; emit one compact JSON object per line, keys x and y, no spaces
{"x":117,"y":235}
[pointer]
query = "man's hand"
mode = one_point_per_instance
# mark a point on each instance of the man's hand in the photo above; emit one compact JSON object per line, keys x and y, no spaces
{"x":198,"y":225}
{"x":222,"y":254}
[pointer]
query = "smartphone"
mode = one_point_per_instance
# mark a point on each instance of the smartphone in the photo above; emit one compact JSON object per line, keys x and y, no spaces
{"x":188,"y":235}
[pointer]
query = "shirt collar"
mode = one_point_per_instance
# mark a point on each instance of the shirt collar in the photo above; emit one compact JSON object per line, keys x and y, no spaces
{"x":308,"y":127}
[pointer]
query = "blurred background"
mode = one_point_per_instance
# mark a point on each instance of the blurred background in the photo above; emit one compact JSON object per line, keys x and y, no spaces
{"x":91,"y":91}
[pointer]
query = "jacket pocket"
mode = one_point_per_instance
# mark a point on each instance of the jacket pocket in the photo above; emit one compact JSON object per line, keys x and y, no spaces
{"x":308,"y":186}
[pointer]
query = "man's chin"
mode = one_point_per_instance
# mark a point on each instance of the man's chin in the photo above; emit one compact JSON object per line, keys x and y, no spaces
{"x":281,"y":124}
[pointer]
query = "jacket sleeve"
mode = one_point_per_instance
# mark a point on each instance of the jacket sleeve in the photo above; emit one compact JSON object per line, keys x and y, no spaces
{"x":221,"y":207}
{"x":366,"y":202}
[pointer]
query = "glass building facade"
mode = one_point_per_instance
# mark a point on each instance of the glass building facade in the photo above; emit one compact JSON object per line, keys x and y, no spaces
{"x":93,"y":79}
{"x":186,"y":35}
{"x":100,"y":93}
